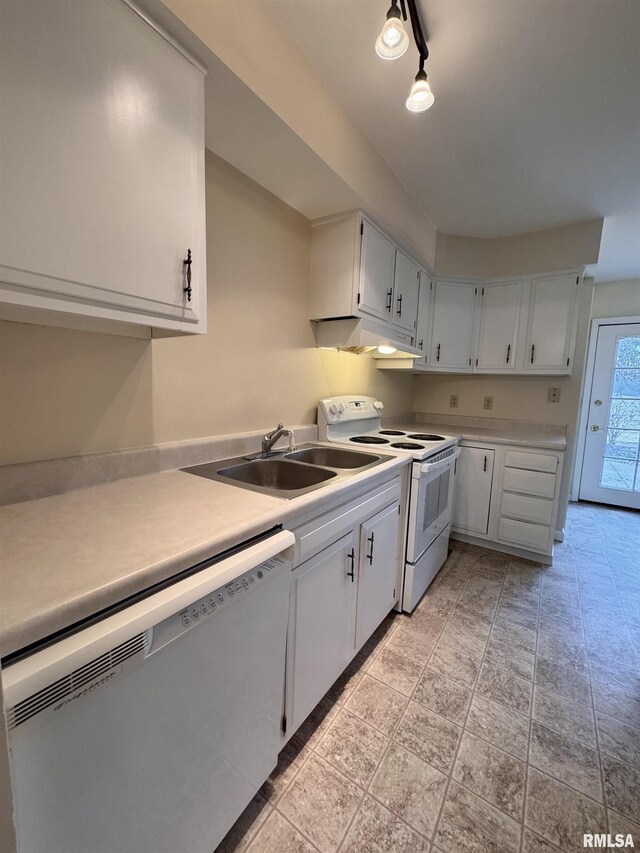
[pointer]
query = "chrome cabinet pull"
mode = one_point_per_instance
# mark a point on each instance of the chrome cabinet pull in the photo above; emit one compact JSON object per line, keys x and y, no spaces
{"x":370,"y":554}
{"x":187,"y":262}
{"x":389,"y":299}
{"x":508,"y":353}
{"x":352,"y":556}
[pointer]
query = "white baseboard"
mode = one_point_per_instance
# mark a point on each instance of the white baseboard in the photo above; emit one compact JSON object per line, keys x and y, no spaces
{"x":558,"y":536}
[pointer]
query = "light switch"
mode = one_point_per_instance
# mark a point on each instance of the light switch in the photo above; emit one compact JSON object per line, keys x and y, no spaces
{"x":488,"y":402}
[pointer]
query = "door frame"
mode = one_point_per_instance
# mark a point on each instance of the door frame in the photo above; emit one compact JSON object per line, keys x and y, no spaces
{"x":585,"y":403}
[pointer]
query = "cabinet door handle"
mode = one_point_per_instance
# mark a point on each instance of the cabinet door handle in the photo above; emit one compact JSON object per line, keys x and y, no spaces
{"x":508,"y":353}
{"x":485,"y":464}
{"x":420,"y":344}
{"x":399,"y":311}
{"x":187,"y":263}
{"x":533,"y":350}
{"x":352,"y":556}
{"x":370,"y":554}
{"x":438,"y":353}
{"x":389,"y":299}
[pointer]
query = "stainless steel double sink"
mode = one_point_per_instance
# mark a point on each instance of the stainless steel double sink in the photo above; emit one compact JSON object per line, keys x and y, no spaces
{"x":289,"y":474}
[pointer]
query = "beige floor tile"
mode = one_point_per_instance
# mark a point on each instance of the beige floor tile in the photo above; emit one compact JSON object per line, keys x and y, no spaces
{"x":565,"y":681}
{"x":410,"y":788}
{"x":377,"y":704}
{"x":376,"y":830}
{"x":509,"y":657}
{"x":617,"y":702}
{"x":622,"y":787}
{"x":321,"y":803}
{"x":501,"y":686}
{"x":499,"y":725}
{"x":619,"y":824}
{"x":491,"y":773}
{"x":277,"y":834}
{"x":564,"y":716}
{"x":291,"y":759}
{"x":566,"y":759}
{"x":619,"y":740}
{"x":533,"y":843}
{"x":345,"y":685}
{"x":353,"y":747}
{"x":396,"y":670}
{"x":559,"y":814}
{"x":454,"y":664}
{"x":432,"y":737}
{"x":467,"y":632}
{"x":470,"y":825}
{"x":316,"y":723}
{"x":410,"y":643}
{"x":444,"y":696}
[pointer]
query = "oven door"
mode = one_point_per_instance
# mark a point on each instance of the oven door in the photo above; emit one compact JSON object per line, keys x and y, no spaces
{"x":430,"y":504}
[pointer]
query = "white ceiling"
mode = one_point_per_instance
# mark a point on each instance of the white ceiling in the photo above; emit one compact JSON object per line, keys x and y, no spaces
{"x":536,"y":121}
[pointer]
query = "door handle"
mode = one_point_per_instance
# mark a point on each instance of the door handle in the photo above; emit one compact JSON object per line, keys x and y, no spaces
{"x":597,"y":402}
{"x":370,"y":554}
{"x":389,"y":299}
{"x":352,"y":556}
{"x":596,"y":428}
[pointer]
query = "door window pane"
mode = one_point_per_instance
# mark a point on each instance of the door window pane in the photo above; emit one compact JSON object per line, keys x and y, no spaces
{"x":622,"y":444}
{"x":618,"y":474}
{"x":628,"y":352}
{"x":626,"y":382}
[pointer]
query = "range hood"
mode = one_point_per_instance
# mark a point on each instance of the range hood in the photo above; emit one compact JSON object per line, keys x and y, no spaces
{"x":364,"y":336}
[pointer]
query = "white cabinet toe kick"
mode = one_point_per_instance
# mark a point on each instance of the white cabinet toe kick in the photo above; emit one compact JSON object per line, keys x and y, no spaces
{"x":507,"y":499}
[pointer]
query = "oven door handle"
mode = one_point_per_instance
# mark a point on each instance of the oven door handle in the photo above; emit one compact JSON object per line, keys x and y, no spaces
{"x":430,"y":467}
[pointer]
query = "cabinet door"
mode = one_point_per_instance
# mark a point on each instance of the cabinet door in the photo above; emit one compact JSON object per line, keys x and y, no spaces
{"x":377,"y":266}
{"x":322,"y":619}
{"x":474,"y":477}
{"x":405,"y":294}
{"x":104,"y":194}
{"x":551,"y":326}
{"x":452,"y":331}
{"x":424,"y":319}
{"x":378,"y":570}
{"x":499,"y":317}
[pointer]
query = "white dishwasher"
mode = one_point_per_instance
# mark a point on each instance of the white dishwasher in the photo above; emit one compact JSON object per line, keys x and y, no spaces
{"x":150,"y":730}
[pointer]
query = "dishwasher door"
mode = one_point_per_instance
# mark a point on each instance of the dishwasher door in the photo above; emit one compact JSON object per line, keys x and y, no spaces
{"x":134,"y":739}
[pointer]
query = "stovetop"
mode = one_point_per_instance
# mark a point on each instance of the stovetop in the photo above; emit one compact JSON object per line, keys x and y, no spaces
{"x":358,"y":420}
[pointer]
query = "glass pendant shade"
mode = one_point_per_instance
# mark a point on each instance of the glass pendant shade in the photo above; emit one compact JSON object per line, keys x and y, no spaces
{"x":393,"y":40}
{"x":420,"y":97}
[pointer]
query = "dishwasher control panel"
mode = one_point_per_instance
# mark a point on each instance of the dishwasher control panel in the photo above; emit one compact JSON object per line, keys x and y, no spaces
{"x":173,"y":627}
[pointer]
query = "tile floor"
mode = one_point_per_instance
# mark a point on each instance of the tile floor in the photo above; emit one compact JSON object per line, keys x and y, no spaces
{"x":503,"y":716}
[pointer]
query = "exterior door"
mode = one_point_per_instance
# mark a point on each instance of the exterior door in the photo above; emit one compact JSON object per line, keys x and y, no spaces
{"x":611,"y":466}
{"x":377,"y":267}
{"x":377,"y":582}
{"x":474,"y":476}
{"x":322,"y":620}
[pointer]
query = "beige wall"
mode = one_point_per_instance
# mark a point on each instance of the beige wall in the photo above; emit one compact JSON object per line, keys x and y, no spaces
{"x":66,"y":392}
{"x":617,"y":299}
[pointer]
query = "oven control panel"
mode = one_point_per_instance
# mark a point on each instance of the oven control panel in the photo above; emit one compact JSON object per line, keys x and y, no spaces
{"x":340,"y":409}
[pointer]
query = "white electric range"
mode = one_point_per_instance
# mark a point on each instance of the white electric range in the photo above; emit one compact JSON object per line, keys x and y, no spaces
{"x":357,"y":420}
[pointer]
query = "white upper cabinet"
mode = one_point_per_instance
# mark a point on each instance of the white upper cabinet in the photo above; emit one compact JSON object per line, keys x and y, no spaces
{"x":453,"y":308}
{"x":498,"y":329}
{"x":405,"y":292}
{"x":552,"y":321}
{"x":423,"y":331}
{"x":376,"y":273}
{"x":102,"y":172}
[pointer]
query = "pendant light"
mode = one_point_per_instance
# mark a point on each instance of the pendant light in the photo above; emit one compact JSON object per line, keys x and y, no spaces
{"x":393,"y":40}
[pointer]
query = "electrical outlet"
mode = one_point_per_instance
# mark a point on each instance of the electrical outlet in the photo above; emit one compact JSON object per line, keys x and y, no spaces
{"x":453,"y":401}
{"x":488,"y":402}
{"x":553,"y":395}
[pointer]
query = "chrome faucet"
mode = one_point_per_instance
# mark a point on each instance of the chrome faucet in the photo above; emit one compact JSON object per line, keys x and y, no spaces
{"x":272,"y":437}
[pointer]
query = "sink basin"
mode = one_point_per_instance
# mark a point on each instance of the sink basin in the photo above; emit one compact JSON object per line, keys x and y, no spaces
{"x":332,"y":457}
{"x":277,"y":474}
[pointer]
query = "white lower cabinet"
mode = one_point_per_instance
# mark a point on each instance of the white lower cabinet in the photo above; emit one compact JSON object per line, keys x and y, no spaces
{"x":378,"y":571}
{"x":322,"y":620}
{"x":340,"y":593}
{"x":474,"y":478}
{"x":512,"y":506}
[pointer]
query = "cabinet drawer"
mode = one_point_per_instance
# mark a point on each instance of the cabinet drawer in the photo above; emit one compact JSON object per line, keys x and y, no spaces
{"x":538,"y":510}
{"x":531,"y":461}
{"x":533,"y":536}
{"x":529,"y":482}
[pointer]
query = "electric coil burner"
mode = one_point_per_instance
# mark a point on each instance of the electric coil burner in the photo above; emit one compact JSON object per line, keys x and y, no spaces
{"x":369,"y":439}
{"x":427,"y":436}
{"x":392,"y":432}
{"x":407,"y":445}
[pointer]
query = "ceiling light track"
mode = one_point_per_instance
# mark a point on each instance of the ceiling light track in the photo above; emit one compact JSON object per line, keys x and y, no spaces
{"x":392,"y":43}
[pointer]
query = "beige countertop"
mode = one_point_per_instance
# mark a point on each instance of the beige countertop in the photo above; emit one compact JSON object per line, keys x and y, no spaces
{"x":545,"y":436}
{"x":68,"y":556}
